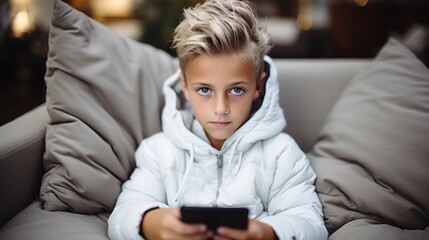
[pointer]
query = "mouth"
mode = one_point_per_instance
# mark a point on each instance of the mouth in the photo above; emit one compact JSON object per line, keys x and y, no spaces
{"x":220,"y":123}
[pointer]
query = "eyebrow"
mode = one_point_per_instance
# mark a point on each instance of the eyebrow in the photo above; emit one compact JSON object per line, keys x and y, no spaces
{"x":230,"y":85}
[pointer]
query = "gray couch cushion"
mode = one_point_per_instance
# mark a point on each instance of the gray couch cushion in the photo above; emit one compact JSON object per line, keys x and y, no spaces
{"x":373,"y":230}
{"x":308,"y":90}
{"x":38,"y":224}
{"x":103,"y":96}
{"x":372,"y":157}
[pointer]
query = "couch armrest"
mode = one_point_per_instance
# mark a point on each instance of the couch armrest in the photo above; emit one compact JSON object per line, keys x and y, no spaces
{"x":22,"y":143}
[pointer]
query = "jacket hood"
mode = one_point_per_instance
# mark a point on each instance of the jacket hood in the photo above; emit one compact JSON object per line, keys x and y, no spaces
{"x":181,"y":127}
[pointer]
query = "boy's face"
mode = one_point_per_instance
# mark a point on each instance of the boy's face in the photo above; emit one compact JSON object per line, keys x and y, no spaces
{"x":221,"y":89}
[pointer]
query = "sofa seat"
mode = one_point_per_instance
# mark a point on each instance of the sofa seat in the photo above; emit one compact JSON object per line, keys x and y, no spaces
{"x":35,"y":223}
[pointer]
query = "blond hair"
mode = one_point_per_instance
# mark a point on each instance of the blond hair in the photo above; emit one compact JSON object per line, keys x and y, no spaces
{"x":221,"y":27}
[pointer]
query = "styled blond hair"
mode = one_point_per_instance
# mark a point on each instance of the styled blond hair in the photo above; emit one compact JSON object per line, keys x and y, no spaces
{"x":221,"y":27}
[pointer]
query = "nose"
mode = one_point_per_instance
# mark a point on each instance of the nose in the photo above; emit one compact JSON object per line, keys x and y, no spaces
{"x":221,"y":106}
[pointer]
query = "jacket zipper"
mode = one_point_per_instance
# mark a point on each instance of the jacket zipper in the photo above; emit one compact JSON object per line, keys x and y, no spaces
{"x":219,"y":176}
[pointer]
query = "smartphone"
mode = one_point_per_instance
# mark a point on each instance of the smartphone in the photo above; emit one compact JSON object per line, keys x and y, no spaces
{"x":215,"y":217}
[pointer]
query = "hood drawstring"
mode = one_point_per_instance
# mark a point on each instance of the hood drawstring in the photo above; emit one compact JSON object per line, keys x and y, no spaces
{"x":188,"y":170}
{"x":240,"y":158}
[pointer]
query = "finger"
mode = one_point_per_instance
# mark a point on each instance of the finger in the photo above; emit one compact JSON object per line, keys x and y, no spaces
{"x":203,"y":236}
{"x":188,"y":229}
{"x":175,"y":212}
{"x":231,"y":233}
{"x":219,"y":237}
{"x":194,"y":236}
{"x":179,"y":228}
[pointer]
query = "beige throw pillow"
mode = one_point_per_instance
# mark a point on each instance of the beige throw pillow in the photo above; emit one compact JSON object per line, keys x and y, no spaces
{"x":103,"y":96}
{"x":372,"y":156}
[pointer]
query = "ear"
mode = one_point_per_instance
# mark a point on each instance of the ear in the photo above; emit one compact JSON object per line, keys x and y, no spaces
{"x":184,"y":86}
{"x":260,"y":83}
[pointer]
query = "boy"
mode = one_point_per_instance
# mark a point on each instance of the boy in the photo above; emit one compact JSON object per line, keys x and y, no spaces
{"x":222,"y":143}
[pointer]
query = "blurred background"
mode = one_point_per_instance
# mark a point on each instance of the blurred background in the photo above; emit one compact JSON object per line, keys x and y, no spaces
{"x":298,"y":29}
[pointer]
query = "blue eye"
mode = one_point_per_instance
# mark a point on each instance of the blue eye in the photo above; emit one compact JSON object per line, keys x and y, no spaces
{"x":237,"y":91}
{"x":203,"y":91}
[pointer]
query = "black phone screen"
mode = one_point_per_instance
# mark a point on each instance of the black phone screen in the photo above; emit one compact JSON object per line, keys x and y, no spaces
{"x":216,"y":216}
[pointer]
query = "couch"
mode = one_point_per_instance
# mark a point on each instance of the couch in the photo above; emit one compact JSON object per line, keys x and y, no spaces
{"x":363,"y":123}
{"x":309,"y":88}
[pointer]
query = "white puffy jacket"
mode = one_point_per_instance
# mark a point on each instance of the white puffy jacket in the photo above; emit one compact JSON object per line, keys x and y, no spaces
{"x":258,"y":167}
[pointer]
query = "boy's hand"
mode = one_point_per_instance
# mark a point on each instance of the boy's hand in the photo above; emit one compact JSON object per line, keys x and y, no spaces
{"x":164,"y":223}
{"x":255,"y":230}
